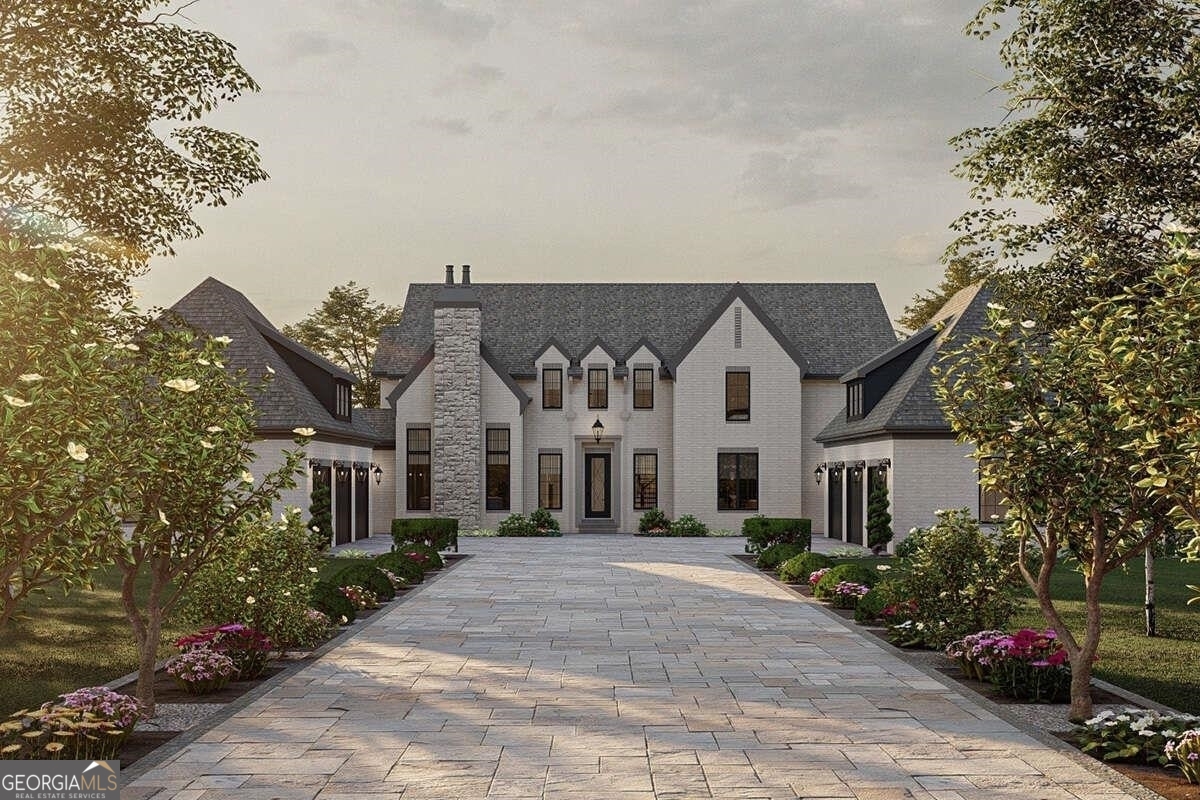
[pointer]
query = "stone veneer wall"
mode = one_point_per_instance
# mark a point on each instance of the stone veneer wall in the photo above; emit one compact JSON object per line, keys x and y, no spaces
{"x":457,"y":431}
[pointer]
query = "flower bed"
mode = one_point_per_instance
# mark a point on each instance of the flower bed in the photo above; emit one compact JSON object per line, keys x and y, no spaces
{"x":89,"y":723}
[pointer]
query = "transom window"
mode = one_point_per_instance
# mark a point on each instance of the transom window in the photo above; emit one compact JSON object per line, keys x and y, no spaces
{"x":550,"y":481}
{"x":737,"y":481}
{"x":737,"y":396}
{"x":497,"y":469}
{"x":643,"y":387}
{"x":552,"y":387}
{"x":419,"y":469}
{"x":598,"y":387}
{"x":645,"y":480}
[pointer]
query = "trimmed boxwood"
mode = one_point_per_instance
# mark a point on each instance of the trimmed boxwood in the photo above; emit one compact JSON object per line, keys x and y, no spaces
{"x":327,"y":598}
{"x":654,"y":523}
{"x":433,"y":559}
{"x":776,"y":554}
{"x":368,"y":576}
{"x":762,"y":532}
{"x":437,"y":532}
{"x":402,"y":566}
{"x":855,"y":573}
{"x":798,"y":568}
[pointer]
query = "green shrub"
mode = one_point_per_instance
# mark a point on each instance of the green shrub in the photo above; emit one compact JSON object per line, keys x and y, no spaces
{"x":687,"y":525}
{"x":762,"y":532}
{"x":439,"y":533}
{"x":960,"y":578}
{"x":261,"y":579}
{"x":433,"y":559}
{"x":516,"y":525}
{"x":368,"y":576}
{"x":327,"y":598}
{"x":879,"y":519}
{"x":544,"y":522}
{"x":654,"y":521}
{"x":776,"y":554}
{"x":909,"y":544}
{"x":401,"y":566}
{"x":799,"y":567}
{"x":854,"y":573}
{"x":871,"y":605}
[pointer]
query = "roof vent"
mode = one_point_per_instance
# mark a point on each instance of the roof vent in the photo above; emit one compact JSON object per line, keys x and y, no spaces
{"x":449,"y":274}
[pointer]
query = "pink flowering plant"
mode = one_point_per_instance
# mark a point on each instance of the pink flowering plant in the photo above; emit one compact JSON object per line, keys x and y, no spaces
{"x":1184,"y":752}
{"x":361,"y":597}
{"x":201,"y":670}
{"x":974,"y":653}
{"x":1029,"y":665}
{"x":88,"y":723}
{"x":1134,"y":734}
{"x":847,"y":593}
{"x":815,"y":577}
{"x":247,"y":647}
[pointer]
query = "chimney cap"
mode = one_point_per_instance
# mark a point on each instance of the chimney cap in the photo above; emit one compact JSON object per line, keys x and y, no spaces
{"x":466,"y":274}
{"x":449,"y":274}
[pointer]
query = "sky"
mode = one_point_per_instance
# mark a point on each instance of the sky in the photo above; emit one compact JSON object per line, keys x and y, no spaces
{"x":591,"y":140}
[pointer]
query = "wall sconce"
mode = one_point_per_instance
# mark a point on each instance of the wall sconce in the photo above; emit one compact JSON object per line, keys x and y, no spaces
{"x":884,"y":465}
{"x":856,"y":469}
{"x":377,"y":472}
{"x":819,"y":472}
{"x":598,"y":430}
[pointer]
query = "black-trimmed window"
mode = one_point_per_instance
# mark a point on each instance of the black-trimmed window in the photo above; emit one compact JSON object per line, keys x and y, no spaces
{"x":550,"y":481}
{"x":737,"y":396}
{"x":737,"y":481}
{"x":992,"y":508}
{"x":497,"y":470}
{"x":598,"y":387}
{"x":552,"y":387}
{"x":342,"y":399}
{"x":854,"y":400}
{"x":645,"y":480}
{"x":643,"y":387}
{"x":419,"y":469}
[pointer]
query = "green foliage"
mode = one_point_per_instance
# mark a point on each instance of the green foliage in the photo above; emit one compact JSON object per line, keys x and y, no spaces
{"x":262,"y":578}
{"x":762,"y":532}
{"x":1104,"y":110}
{"x":910,"y":543}
{"x":799,"y":567}
{"x":320,"y":513}
{"x":544,"y":521}
{"x":852,"y":573}
{"x":401,"y":565}
{"x":654,"y":520}
{"x":345,"y":329}
{"x":100,"y":134}
{"x":879,"y":519}
{"x":429,"y":558}
{"x":687,"y":525}
{"x":437,"y":532}
{"x":960,"y":273}
{"x":776,"y":554}
{"x":1132,"y":735}
{"x":521,"y":525}
{"x":883,"y":594}
{"x":960,"y":577}
{"x":327,"y":598}
{"x":368,"y":576}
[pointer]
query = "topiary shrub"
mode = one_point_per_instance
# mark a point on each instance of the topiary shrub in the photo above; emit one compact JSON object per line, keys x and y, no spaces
{"x":368,"y":576}
{"x":687,"y":525}
{"x":654,"y":523}
{"x":776,"y":554}
{"x":402,"y":566}
{"x":439,"y":533}
{"x":327,"y":598}
{"x":544,"y":522}
{"x":852,"y":573}
{"x":432,"y":558}
{"x":762,"y":532}
{"x":799,"y":567}
{"x":879,"y":519}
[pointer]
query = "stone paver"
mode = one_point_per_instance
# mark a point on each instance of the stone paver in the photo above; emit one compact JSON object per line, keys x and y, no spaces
{"x":614,"y":667}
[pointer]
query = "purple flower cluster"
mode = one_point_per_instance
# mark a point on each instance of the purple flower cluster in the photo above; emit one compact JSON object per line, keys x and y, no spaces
{"x":850,"y":589}
{"x":121,"y":710}
{"x":201,"y":664}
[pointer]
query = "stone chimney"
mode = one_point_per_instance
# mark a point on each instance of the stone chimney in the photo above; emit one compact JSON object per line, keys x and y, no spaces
{"x":457,"y":421}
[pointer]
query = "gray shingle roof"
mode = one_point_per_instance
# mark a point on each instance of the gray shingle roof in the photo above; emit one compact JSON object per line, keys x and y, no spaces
{"x":911,"y":405}
{"x":831,"y":325}
{"x":285,"y":403}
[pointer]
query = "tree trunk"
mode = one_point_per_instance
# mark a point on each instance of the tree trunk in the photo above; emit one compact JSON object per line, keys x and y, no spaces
{"x":1151,"y":621}
{"x":147,"y":628}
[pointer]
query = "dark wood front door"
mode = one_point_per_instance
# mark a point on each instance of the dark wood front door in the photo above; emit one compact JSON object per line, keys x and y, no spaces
{"x":341,"y":505}
{"x":597,"y":486}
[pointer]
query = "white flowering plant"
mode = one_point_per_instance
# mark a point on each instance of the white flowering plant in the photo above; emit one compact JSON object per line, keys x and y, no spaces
{"x":1133,"y":734}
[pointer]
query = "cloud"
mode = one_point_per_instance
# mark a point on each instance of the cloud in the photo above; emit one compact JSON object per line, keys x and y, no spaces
{"x":455,"y":126}
{"x":301,"y":45}
{"x":781,"y":181}
{"x":442,"y":20}
{"x":471,"y":78}
{"x":917,"y":248}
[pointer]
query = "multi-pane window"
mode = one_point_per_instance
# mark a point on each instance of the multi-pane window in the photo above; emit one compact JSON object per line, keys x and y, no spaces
{"x":550,"y":481}
{"x":854,"y":400}
{"x":342,"y":408}
{"x":991,"y":505}
{"x":419,"y":469}
{"x":737,"y":396}
{"x":598,"y":387}
{"x":497,"y":469}
{"x":645,"y":480}
{"x":737,"y":481}
{"x":643,"y":387}
{"x":552,"y":387}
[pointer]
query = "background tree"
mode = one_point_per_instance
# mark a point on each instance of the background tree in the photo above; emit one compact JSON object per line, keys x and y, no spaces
{"x":960,"y":273}
{"x":187,"y":494}
{"x":1088,"y":436}
{"x":1102,"y":136}
{"x":345,"y":329}
{"x":86,"y":93}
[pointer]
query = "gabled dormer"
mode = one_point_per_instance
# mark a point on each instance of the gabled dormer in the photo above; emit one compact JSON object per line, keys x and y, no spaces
{"x":866,"y":385}
{"x":327,"y":382}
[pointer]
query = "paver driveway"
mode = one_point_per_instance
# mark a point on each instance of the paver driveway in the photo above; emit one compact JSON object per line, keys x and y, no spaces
{"x":614,"y":667}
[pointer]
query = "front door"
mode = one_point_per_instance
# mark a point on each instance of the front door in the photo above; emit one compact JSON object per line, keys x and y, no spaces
{"x":854,"y":505}
{"x":597,"y":488}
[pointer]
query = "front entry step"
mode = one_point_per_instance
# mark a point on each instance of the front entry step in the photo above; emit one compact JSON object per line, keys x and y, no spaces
{"x":597,"y":526}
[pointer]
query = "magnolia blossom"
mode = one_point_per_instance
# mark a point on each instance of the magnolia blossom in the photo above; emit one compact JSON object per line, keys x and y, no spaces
{"x":214,"y":429}
{"x":996,"y":307}
{"x":53,"y":284}
{"x":269,"y":370}
{"x":204,"y":362}
{"x":304,"y":431}
{"x":247,"y":477}
{"x":206,"y":444}
{"x":250,"y":600}
{"x":30,"y":377}
{"x":22,"y":277}
{"x":77,"y":451}
{"x":184,"y":385}
{"x":1027,"y":323}
{"x":133,"y":348}
{"x":223,"y":340}
{"x":162,"y":517}
{"x":16,"y":402}
{"x":1008,"y":385}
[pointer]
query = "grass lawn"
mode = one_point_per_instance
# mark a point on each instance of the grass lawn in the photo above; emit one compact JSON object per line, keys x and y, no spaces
{"x":57,"y":644}
{"x":1163,"y":668}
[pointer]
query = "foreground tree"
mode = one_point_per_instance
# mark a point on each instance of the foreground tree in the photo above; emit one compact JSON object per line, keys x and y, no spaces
{"x":345,"y":329}
{"x":185,"y":480}
{"x":87,"y":93}
{"x":1089,"y":435}
{"x":1103,"y":137}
